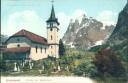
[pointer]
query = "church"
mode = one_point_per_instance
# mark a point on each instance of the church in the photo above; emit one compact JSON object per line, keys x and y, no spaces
{"x":25,"y":45}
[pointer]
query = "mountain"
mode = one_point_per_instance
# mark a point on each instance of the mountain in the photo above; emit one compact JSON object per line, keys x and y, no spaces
{"x":86,"y":32}
{"x":118,"y":40}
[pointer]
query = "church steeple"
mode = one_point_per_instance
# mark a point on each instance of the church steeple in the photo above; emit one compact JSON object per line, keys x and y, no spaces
{"x":53,"y":34}
{"x":52,"y":18}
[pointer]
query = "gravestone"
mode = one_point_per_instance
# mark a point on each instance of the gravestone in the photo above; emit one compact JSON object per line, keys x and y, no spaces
{"x":59,"y":68}
{"x":18,"y":69}
{"x":15,"y":68}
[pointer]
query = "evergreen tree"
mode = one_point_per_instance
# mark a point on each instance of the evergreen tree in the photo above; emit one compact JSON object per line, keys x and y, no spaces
{"x":61,"y":48}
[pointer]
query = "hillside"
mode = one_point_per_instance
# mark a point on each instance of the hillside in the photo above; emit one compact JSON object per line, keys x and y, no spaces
{"x":118,"y":41}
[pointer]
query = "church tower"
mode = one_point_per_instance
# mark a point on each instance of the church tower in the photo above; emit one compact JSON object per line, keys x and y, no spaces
{"x":53,"y":34}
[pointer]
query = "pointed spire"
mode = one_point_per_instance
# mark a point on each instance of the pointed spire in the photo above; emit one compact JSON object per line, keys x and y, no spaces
{"x":53,"y":16}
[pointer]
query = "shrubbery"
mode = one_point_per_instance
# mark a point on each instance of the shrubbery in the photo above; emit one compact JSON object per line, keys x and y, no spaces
{"x":108,"y":63}
{"x":80,"y":63}
{"x":86,"y":68}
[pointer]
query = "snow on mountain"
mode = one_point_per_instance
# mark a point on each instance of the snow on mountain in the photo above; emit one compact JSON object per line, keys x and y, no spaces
{"x":100,"y":42}
{"x":84,"y":32}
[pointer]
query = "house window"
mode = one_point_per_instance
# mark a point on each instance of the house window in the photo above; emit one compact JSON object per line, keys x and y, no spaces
{"x":36,"y":49}
{"x":18,"y":45}
{"x":51,"y":29}
{"x":51,"y":37}
{"x":41,"y":49}
{"x":45,"y":50}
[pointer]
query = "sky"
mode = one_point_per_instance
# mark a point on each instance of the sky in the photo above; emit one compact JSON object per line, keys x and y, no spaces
{"x":31,"y":15}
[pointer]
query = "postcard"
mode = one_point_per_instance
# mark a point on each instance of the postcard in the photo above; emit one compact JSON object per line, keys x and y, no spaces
{"x":64,"y":41}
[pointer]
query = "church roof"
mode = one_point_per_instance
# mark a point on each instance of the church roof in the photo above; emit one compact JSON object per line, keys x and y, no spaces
{"x":53,"y":17}
{"x":16,"y":50}
{"x":33,"y":37}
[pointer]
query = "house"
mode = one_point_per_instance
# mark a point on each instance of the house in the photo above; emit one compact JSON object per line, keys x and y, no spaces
{"x":25,"y":45}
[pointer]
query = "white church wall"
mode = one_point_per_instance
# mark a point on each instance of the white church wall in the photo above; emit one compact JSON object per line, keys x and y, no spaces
{"x":39,"y":54}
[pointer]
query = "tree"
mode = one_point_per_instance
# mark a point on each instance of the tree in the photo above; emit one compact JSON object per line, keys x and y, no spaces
{"x":61,"y":48}
{"x":108,"y":63}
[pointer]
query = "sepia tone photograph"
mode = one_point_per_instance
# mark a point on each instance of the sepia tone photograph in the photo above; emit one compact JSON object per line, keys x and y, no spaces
{"x":59,"y":41}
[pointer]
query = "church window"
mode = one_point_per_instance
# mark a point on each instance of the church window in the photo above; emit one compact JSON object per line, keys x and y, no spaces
{"x":51,"y":24}
{"x":51,"y":46}
{"x":36,"y":49}
{"x":41,"y":49}
{"x":45,"y":50}
{"x":51,"y":37}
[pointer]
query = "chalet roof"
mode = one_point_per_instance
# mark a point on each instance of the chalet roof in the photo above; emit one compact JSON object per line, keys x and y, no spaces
{"x":16,"y":50}
{"x":33,"y":37}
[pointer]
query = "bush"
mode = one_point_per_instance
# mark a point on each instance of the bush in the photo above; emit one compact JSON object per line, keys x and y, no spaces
{"x":86,"y":67}
{"x":108,"y":63}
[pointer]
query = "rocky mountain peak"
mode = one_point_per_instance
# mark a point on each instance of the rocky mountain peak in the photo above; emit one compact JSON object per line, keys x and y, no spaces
{"x":85,"y":32}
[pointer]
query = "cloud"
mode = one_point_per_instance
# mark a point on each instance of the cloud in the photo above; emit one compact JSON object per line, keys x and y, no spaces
{"x":28,"y":20}
{"x":78,"y":13}
{"x":31,"y":21}
{"x":107,"y":17}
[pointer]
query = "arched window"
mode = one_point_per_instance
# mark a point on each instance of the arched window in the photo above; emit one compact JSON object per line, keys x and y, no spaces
{"x":36,"y":49}
{"x":45,"y":50}
{"x":51,"y":37}
{"x":41,"y":49}
{"x":51,"y":24}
